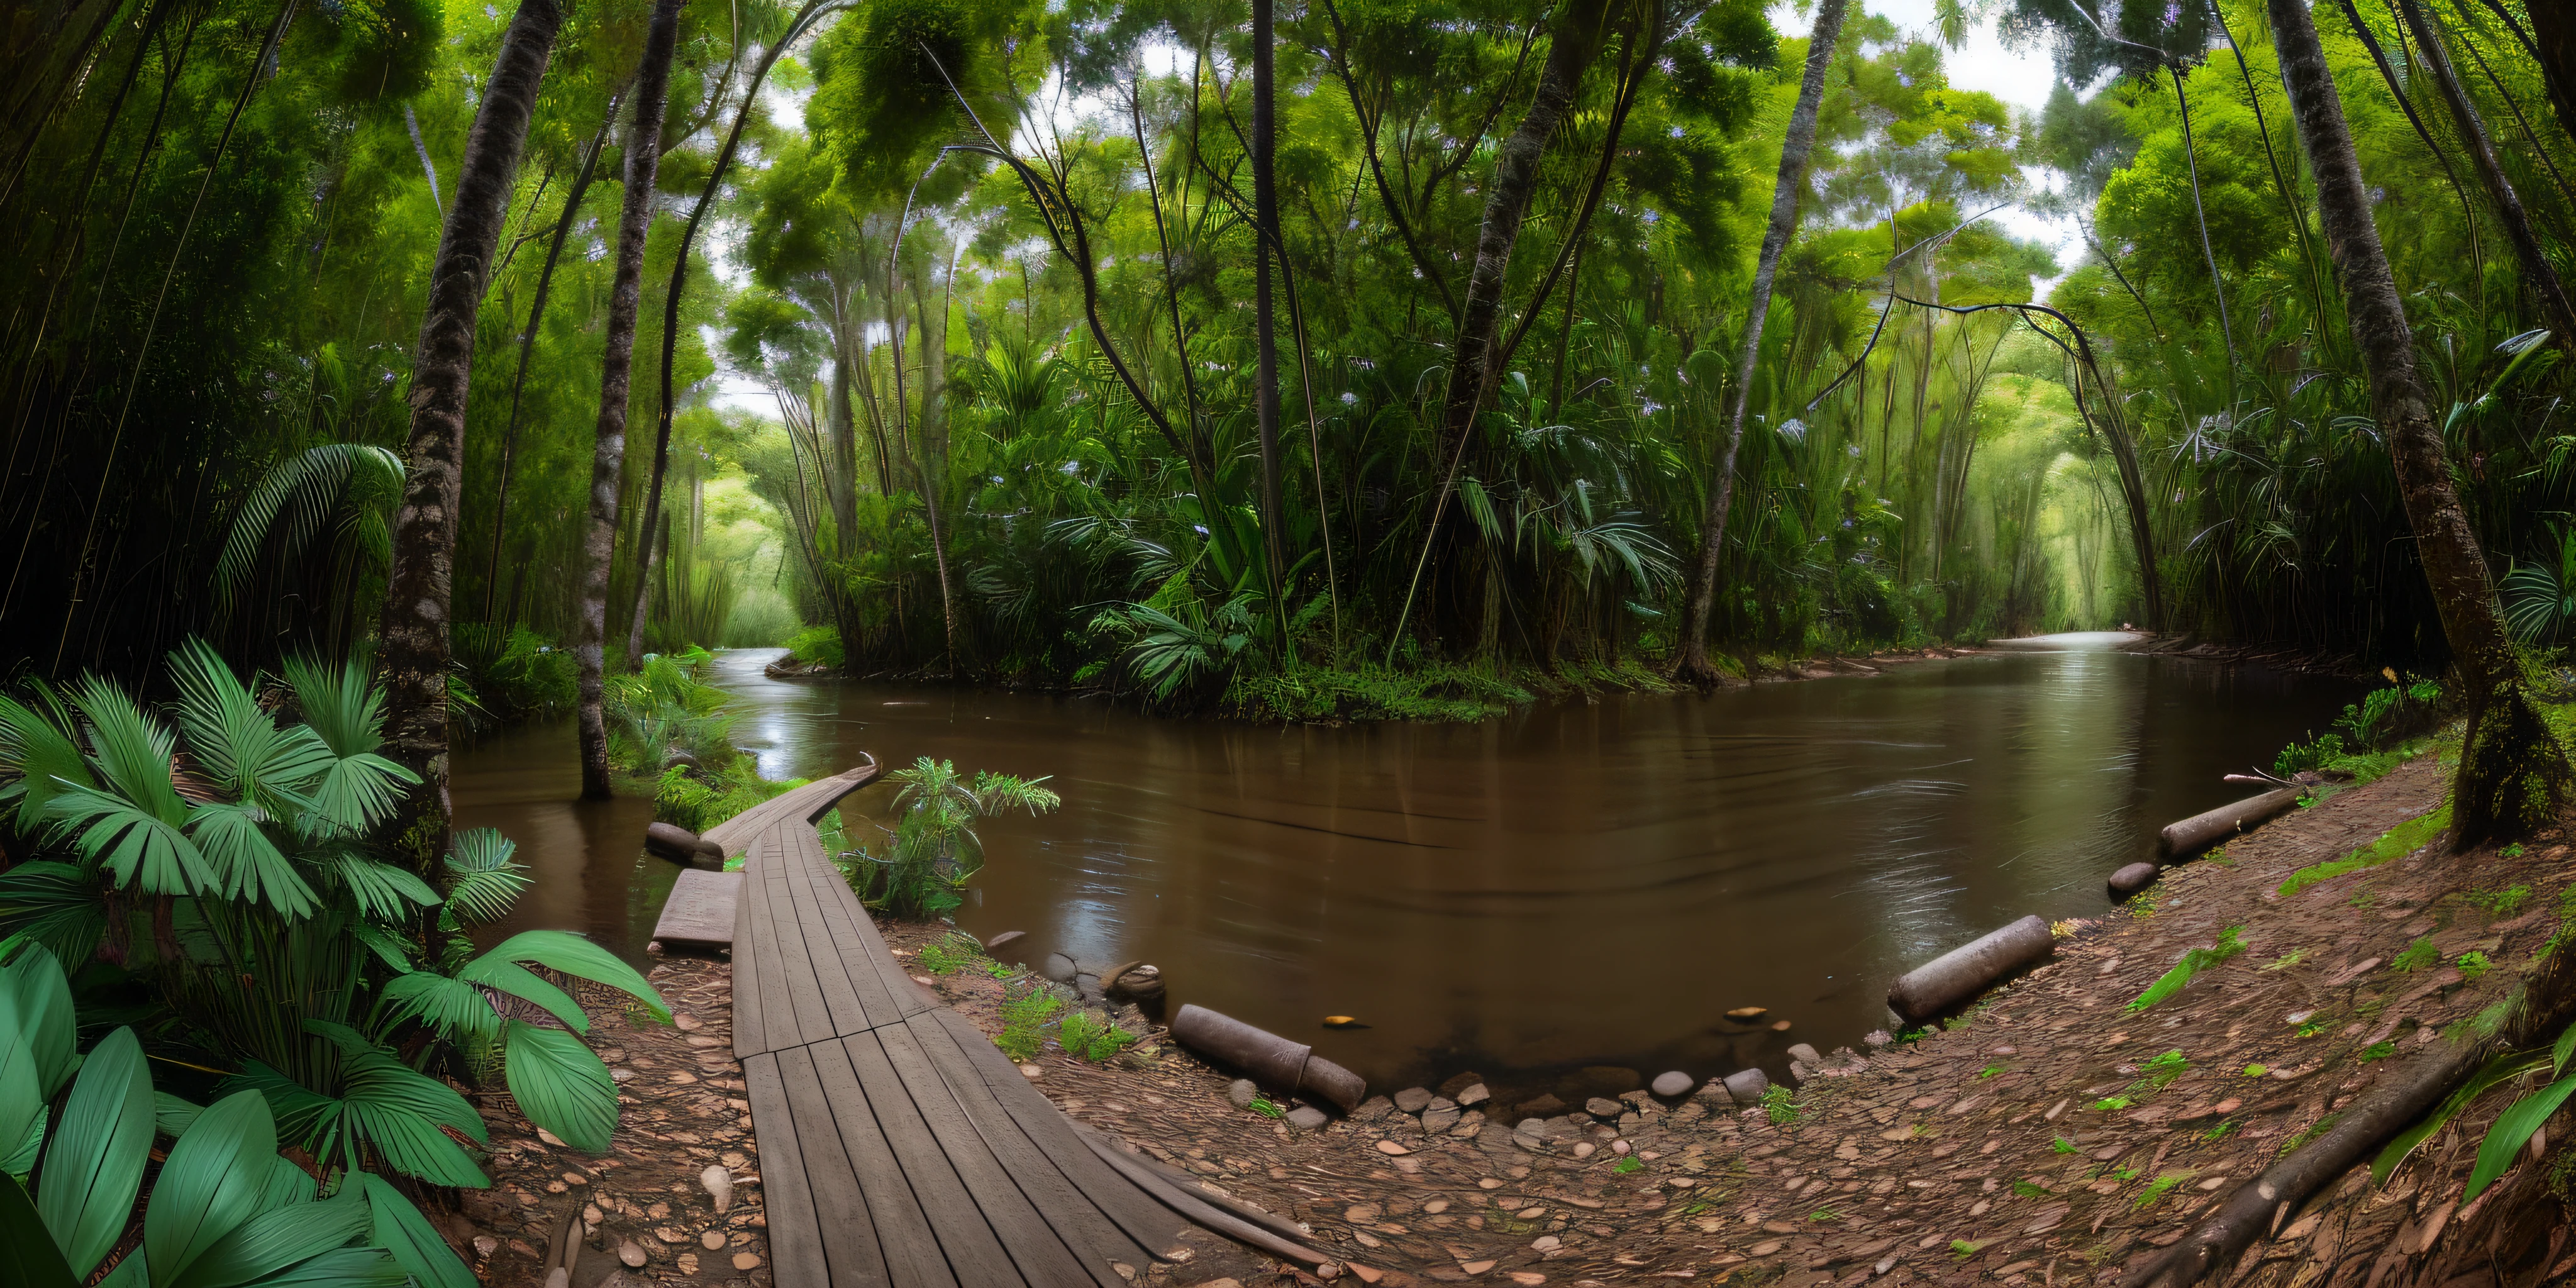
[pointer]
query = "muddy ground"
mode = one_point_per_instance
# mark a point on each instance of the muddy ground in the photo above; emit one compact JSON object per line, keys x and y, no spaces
{"x":2051,"y":1136}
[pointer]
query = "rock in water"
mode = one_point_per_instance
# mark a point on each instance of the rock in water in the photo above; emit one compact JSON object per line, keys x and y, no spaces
{"x":1747,"y":1086}
{"x":1545,"y":1105}
{"x":1605,"y":1110}
{"x":1004,"y":940}
{"x":719,"y":1183}
{"x":1804,"y":1054}
{"x":1057,"y":967}
{"x":1138,"y":982}
{"x":1672,"y":1085}
{"x":2133,"y":878}
{"x":1748,"y":1014}
{"x":1413,"y":1100}
{"x":1474,"y":1093}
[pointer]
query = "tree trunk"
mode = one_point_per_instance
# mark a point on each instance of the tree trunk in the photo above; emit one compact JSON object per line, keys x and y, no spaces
{"x":2553,"y":39}
{"x":2537,"y":271}
{"x":1692,"y":663}
{"x":527,"y":349}
{"x":414,"y":641}
{"x":2512,"y":770}
{"x":1266,"y":246}
{"x":617,"y":374}
{"x":1507,"y":199}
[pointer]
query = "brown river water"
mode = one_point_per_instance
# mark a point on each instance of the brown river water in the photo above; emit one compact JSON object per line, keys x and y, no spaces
{"x":1574,"y":885}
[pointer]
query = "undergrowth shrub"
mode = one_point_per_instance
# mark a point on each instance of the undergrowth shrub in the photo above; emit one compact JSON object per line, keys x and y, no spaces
{"x":816,"y":646}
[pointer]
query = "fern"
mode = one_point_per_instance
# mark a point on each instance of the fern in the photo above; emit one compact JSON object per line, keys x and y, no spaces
{"x":2192,"y":963}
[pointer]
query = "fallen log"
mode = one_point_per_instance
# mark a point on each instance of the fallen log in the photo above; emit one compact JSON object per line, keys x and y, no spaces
{"x":1946,"y":981}
{"x":1291,"y":1067}
{"x":2198,"y":833}
{"x":680,"y":845}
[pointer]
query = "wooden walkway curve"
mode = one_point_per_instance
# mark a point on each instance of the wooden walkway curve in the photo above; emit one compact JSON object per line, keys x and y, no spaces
{"x":897,"y":1144}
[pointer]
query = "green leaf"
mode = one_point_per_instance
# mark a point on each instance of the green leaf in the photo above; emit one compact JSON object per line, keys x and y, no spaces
{"x":172,"y":1116}
{"x":20,"y":1100}
{"x":94,"y":1164}
{"x":237,"y":744}
{"x":143,"y":851}
{"x":339,"y":1268}
{"x":2513,"y":1128}
{"x":578,"y":957}
{"x":21,"y":1162}
{"x":384,"y":892}
{"x":488,"y":876}
{"x":2559,"y":1054}
{"x":39,"y":750}
{"x":560,"y":1085}
{"x":399,"y":1228}
{"x":28,"y":1257}
{"x":246,"y":862}
{"x":34,"y":987}
{"x":452,"y":1006}
{"x":54,"y":904}
{"x":273,"y":1241}
{"x":210,"y":1184}
{"x":518,"y":981}
{"x":389,"y":950}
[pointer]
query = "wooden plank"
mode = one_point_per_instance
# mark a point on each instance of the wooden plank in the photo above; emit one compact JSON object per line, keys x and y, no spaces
{"x":902,"y":1229}
{"x":1095,"y":1237}
{"x":795,"y":1229}
{"x":855,"y":998}
{"x":779,"y":1024}
{"x":800,"y":999}
{"x":974,"y":1250}
{"x":1031,"y":1237}
{"x":1145,"y":1219}
{"x":878,"y":978}
{"x":749,"y":1033}
{"x":849,"y":1219}
{"x":700,"y":911}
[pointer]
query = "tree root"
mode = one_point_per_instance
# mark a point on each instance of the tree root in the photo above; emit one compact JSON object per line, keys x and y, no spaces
{"x":2260,"y":1207}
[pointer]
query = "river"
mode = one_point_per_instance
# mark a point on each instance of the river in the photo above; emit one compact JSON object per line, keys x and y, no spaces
{"x":1580,"y":885}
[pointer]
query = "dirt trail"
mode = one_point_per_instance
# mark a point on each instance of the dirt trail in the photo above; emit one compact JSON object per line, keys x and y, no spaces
{"x":2048,"y":1137}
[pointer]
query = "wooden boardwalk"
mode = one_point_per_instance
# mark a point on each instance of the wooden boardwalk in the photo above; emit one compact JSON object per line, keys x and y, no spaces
{"x":897,"y":1144}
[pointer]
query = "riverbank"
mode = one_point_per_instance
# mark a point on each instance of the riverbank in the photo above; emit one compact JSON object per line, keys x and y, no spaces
{"x":1431,"y":691}
{"x":2051,"y":1135}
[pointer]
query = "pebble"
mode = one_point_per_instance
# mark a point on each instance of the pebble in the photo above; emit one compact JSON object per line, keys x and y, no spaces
{"x":719,"y":1185}
{"x":1032,"y":1072}
{"x":1672,"y":1084}
{"x":2133,"y":878}
{"x":1804,"y":1053}
{"x":746,"y":1261}
{"x":1747,"y":1085}
{"x":1473,"y":1093}
{"x":712,"y":1239}
{"x":1779,"y":1026}
{"x":1546,"y":1243}
{"x":1058,"y":967}
{"x":1602,"y":1109}
{"x":1414,"y":1100}
{"x":1242,"y":1093}
{"x":631,"y":1253}
{"x":1748,"y":1014}
{"x":1583,"y":1149}
{"x":1392,"y":1149}
{"x":1307,"y":1118}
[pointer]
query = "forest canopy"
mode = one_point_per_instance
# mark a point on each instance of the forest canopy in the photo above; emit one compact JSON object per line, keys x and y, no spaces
{"x":1113,"y":344}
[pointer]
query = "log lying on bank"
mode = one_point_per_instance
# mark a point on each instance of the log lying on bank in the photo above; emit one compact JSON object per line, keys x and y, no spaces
{"x":2133,"y":878}
{"x":1946,"y":981}
{"x":1290,"y":1067}
{"x":680,"y":845}
{"x":2198,"y":833}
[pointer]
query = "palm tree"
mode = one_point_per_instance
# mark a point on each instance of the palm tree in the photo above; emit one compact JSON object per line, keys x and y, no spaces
{"x":608,"y":450}
{"x":1692,"y":663}
{"x":414,"y":640}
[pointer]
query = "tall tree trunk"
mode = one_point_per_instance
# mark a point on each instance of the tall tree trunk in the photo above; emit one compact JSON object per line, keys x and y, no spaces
{"x":527,"y":350}
{"x":2537,"y":271}
{"x":671,"y":308}
{"x":616,"y":382}
{"x":2553,"y":41}
{"x":414,"y":647}
{"x":1692,"y":661}
{"x":1507,"y":200}
{"x":1265,"y":240}
{"x":2512,"y":769}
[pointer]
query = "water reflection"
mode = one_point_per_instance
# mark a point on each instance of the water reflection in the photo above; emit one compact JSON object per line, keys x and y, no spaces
{"x":1584,"y":884}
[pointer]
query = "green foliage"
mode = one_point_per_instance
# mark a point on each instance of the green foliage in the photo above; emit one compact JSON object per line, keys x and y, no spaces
{"x":2064,"y":1146}
{"x":948,"y":955}
{"x":697,"y":799}
{"x":2416,"y":956}
{"x":2396,"y":843}
{"x":1088,"y":1035}
{"x":2159,"y":1187}
{"x":816,"y":646}
{"x":663,"y":711}
{"x":2193,"y":962}
{"x":2473,"y":964}
{"x":1025,"y":1011}
{"x":1628,"y":1165}
{"x":934,"y":849}
{"x":2378,"y":1051}
{"x":2161,"y":1071}
{"x":1779,"y":1105}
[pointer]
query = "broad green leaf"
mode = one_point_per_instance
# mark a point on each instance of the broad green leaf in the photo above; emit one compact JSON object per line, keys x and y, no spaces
{"x":20,"y":1100}
{"x":234,"y":741}
{"x":384,"y":892}
{"x":399,"y":1228}
{"x":303,"y":1115}
{"x":382,"y":943}
{"x":39,"y":753}
{"x":21,"y":1161}
{"x":488,"y":876}
{"x":518,"y":981}
{"x":210,"y":1184}
{"x":560,"y":1085}
{"x":28,"y":1257}
{"x":338,"y":1268}
{"x":143,"y":851}
{"x":2513,"y":1128}
{"x":452,"y":1006}
{"x":94,"y":1164}
{"x":130,"y":751}
{"x":54,"y":904}
{"x":246,"y":863}
{"x":274,"y":1241}
{"x":578,"y":957}
{"x":2559,"y":1054}
{"x":34,"y":991}
{"x":172,"y":1116}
